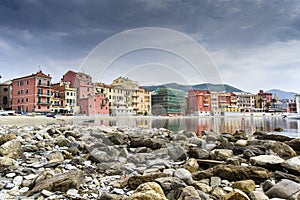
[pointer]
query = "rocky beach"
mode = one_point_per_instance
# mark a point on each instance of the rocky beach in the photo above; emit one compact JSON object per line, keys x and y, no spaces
{"x":44,"y":158}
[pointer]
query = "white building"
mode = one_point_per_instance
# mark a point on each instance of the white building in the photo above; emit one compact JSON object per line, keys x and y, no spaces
{"x":297,"y":97}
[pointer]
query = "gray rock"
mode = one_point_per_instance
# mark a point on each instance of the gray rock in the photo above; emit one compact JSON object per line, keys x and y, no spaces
{"x":293,"y":165}
{"x":267,"y":161}
{"x":18,"y":180}
{"x":177,"y":153}
{"x":267,"y":185}
{"x":198,"y":153}
{"x":286,"y":189}
{"x":256,"y":195}
{"x":184,"y":175}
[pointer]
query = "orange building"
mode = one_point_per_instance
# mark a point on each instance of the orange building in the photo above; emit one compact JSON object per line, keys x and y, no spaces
{"x":199,"y":102}
{"x":32,"y":93}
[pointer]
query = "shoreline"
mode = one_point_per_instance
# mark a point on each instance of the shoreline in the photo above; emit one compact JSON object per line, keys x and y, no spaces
{"x":43,"y":120}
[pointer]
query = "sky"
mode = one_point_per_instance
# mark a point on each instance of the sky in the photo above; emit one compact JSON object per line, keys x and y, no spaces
{"x":251,"y":45}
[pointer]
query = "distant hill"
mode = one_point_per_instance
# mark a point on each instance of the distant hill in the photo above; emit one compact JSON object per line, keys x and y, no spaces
{"x":203,"y":86}
{"x":282,"y":94}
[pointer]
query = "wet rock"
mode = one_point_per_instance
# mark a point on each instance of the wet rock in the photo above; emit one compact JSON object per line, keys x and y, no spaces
{"x":285,"y":189}
{"x":266,"y":185}
{"x":294,"y":143}
{"x":221,"y":154}
{"x":135,"y":181}
{"x":246,"y":186}
{"x":191,"y":165}
{"x":146,"y":142}
{"x":11,"y":149}
{"x":293,"y":165}
{"x":257,"y":195}
{"x":241,"y":134}
{"x":236,"y":194}
{"x":236,"y":173}
{"x":278,"y":129}
{"x":60,"y":182}
{"x":278,"y":175}
{"x":267,"y":161}
{"x":189,"y":192}
{"x":149,"y":190}
{"x":6,"y":138}
{"x":198,"y":153}
{"x":283,"y":150}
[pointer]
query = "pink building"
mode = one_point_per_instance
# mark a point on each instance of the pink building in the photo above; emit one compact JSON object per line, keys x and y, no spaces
{"x":32,"y":93}
{"x":94,"y":105}
{"x":198,"y":102}
{"x":81,"y":81}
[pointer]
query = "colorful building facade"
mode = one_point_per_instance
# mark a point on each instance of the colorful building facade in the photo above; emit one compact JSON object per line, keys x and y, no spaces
{"x":199,"y":102}
{"x":94,"y":105}
{"x":32,"y":93}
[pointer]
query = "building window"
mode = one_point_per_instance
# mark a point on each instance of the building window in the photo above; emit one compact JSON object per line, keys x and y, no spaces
{"x":27,"y":82}
{"x":5,"y":100}
{"x":48,"y":107}
{"x":22,"y":82}
{"x":26,"y":91}
{"x":48,"y":83}
{"x":18,"y":100}
{"x":26,"y":99}
{"x":39,"y":107}
{"x":68,"y":93}
{"x":22,"y":100}
{"x":22,"y":91}
{"x":5,"y":89}
{"x":40,"y":91}
{"x":18,"y":91}
{"x":40,"y":82}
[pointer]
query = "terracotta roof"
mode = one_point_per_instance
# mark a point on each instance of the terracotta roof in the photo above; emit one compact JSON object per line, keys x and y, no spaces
{"x":38,"y":74}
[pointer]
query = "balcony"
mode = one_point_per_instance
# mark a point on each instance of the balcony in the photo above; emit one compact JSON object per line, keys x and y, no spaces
{"x":43,"y":103}
{"x":206,"y":104}
{"x":44,"y":85}
{"x":44,"y":95}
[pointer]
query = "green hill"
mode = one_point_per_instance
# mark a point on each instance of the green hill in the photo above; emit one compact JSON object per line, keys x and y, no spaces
{"x":203,"y":86}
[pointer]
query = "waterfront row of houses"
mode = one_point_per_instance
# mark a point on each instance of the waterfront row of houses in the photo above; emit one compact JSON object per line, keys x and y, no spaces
{"x":76,"y":93}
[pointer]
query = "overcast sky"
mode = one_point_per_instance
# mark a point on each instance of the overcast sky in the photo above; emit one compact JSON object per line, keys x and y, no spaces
{"x":253,"y":44}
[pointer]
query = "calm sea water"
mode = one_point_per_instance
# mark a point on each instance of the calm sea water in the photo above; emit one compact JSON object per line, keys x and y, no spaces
{"x":217,"y":124}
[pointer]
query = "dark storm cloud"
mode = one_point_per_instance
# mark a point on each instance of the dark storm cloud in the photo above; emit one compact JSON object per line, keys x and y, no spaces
{"x":54,"y":32}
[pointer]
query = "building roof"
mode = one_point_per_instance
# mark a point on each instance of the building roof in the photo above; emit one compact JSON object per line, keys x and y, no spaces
{"x":38,"y":74}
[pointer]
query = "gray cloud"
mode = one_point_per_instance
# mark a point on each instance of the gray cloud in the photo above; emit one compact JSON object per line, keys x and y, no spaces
{"x":59,"y":34}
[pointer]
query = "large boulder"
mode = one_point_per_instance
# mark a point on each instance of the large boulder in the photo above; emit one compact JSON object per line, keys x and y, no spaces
{"x":294,"y":143}
{"x":192,"y":165}
{"x":171,"y":186}
{"x":267,"y":161}
{"x":151,"y":143}
{"x":283,"y":150}
{"x":293,"y":165}
{"x":60,"y":182}
{"x":237,"y":173}
{"x":184,"y":175}
{"x":257,"y":195}
{"x":11,"y":149}
{"x":285,"y":189}
{"x":148,"y":191}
